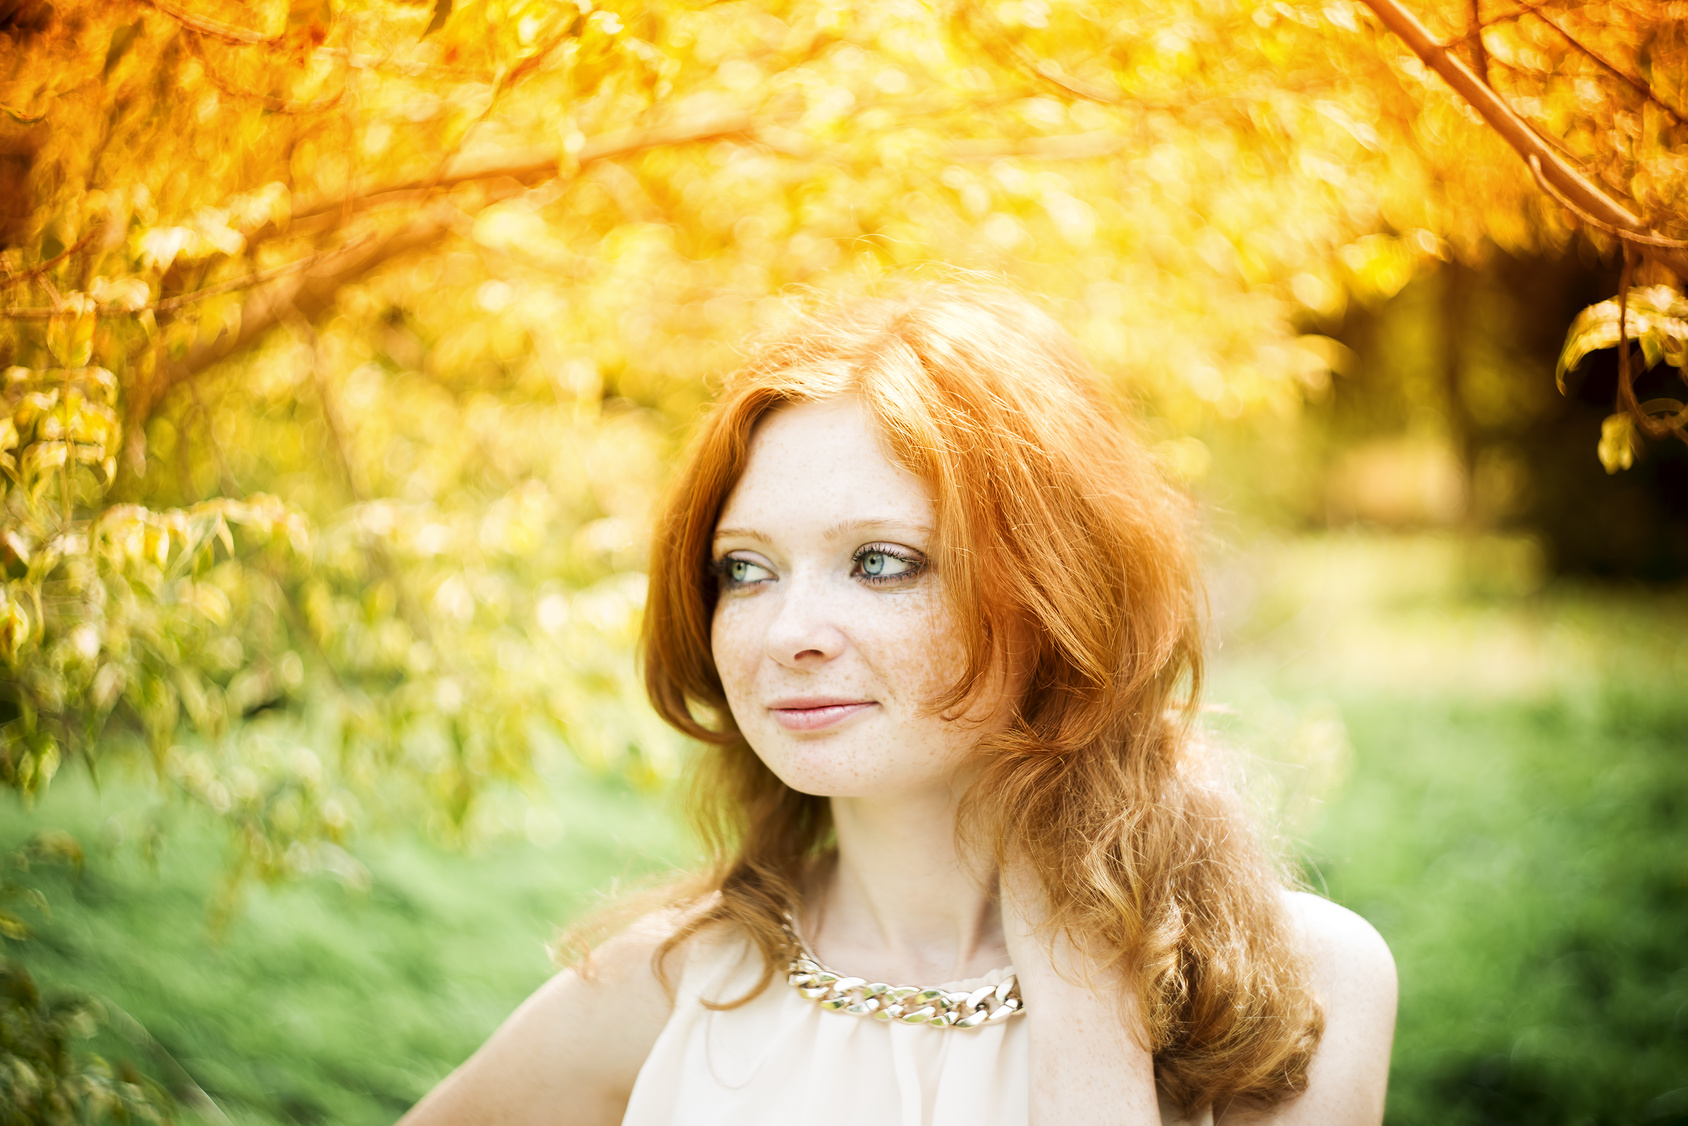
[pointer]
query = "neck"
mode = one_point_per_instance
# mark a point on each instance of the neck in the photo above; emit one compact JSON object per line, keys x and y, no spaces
{"x":903,"y":904}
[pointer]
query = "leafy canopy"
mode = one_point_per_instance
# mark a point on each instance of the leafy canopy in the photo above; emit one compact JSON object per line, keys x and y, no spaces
{"x":345,"y":342}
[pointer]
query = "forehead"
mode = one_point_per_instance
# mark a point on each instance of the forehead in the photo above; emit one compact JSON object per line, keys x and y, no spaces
{"x":822,"y":463}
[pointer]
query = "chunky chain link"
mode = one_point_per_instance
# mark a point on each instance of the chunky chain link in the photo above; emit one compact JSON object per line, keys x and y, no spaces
{"x":910,"y":1004}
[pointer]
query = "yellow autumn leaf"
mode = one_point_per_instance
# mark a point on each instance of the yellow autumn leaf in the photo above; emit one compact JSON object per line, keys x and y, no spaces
{"x":1617,"y":442}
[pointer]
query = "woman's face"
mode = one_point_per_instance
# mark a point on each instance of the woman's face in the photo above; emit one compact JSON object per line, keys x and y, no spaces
{"x":831,"y":635}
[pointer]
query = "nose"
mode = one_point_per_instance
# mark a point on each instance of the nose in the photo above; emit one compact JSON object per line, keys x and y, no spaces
{"x":805,"y":631}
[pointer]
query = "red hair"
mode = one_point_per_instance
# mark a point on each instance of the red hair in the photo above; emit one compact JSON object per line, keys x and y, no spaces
{"x":1050,"y":515}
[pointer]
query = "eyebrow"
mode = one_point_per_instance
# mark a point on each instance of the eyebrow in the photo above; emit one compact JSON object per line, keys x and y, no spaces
{"x":845,"y":526}
{"x":841,"y":528}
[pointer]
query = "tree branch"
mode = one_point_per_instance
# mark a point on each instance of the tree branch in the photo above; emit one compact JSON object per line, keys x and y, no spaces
{"x":526,"y":166}
{"x":228,"y":33}
{"x":1570,"y":182}
{"x":23,"y":118}
{"x":996,"y":39}
{"x":268,"y":101}
{"x":1656,"y":417}
{"x":392,"y":65}
{"x":34,"y":312}
{"x":307,"y":287}
{"x":250,"y":281}
{"x":305,"y":292}
{"x":8,"y":278}
{"x":1627,"y":236}
{"x":171,"y":304}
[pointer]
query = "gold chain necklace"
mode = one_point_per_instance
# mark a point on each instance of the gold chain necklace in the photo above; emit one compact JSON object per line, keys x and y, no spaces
{"x":946,"y":1008}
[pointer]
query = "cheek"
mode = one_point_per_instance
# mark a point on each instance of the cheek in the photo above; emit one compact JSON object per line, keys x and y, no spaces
{"x":931,"y":669}
{"x":921,"y":652}
{"x":734,"y":643}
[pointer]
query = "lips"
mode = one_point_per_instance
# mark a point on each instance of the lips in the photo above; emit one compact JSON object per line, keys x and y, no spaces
{"x":817,"y":713}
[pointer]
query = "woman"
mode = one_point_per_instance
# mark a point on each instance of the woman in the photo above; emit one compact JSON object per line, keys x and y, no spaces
{"x":932,"y":610}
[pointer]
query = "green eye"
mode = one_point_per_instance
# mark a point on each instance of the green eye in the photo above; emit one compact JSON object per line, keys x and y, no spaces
{"x":736,"y":572}
{"x":885,"y":566}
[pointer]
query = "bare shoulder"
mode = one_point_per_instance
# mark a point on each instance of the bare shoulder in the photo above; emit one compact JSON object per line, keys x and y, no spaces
{"x":1348,"y":957}
{"x":1353,"y":975}
{"x":578,"y":1042}
{"x":628,"y":959}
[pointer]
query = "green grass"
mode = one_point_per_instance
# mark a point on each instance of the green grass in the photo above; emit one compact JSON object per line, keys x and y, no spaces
{"x":1527,"y":864}
{"x":319,"y":1002}
{"x":1494,"y":771}
{"x":1509,"y":808}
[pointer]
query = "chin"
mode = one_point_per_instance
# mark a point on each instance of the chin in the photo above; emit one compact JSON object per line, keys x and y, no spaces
{"x":840,"y":770}
{"x":821,"y":788}
{"x":826,"y":780}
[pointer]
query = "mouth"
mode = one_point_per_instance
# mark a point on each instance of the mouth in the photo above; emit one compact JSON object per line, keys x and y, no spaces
{"x":817,"y":713}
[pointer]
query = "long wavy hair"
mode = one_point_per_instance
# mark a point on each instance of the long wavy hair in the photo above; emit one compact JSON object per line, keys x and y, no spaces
{"x":1049,"y":515}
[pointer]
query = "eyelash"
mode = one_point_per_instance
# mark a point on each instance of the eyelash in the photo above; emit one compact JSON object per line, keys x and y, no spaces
{"x":916,"y":565}
{"x":721,"y":568}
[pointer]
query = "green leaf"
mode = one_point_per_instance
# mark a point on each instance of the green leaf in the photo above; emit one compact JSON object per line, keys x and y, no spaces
{"x":13,"y":927}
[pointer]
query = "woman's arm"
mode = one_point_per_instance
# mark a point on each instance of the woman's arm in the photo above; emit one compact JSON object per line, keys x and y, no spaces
{"x":1354,"y":977}
{"x":570,"y":1053}
{"x":1090,"y":1061}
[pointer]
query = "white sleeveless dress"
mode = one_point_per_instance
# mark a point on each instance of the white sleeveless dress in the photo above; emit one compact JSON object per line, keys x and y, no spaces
{"x":782,"y":1060}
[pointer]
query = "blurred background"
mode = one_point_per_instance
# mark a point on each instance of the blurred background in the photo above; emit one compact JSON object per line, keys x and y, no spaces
{"x":347,"y":343}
